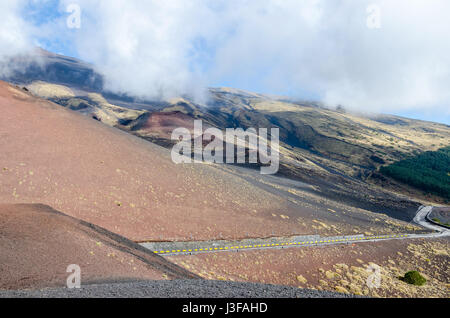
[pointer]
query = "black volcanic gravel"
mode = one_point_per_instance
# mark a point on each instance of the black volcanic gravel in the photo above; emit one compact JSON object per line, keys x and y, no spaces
{"x":195,"y":288}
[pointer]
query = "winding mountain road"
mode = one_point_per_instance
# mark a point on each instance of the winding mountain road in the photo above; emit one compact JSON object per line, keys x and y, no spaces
{"x":183,"y":248}
{"x":421,"y":219}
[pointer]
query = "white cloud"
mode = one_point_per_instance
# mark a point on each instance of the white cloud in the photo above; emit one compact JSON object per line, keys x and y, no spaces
{"x":404,"y":65}
{"x":153,"y":48}
{"x":14,"y":35}
{"x":145,"y":48}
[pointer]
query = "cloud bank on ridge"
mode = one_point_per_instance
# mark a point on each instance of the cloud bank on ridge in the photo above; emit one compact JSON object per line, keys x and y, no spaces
{"x":320,"y":48}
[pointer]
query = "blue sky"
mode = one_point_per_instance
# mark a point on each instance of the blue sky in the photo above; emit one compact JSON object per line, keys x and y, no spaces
{"x":42,"y":13}
{"x":314,"y":50}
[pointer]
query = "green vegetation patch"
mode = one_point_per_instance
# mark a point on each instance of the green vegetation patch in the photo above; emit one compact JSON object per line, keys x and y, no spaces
{"x":440,"y":222}
{"x":429,"y":172}
{"x":436,"y":220}
{"x":414,"y":278}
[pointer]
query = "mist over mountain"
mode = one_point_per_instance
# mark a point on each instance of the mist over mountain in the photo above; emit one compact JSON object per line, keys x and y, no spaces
{"x":314,"y":49}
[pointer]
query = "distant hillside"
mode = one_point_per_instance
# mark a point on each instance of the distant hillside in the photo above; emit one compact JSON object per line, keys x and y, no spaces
{"x":317,"y":143}
{"x":429,"y":171}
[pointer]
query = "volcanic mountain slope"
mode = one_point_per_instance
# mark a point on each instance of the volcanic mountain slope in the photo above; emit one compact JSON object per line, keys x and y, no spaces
{"x":37,"y":244}
{"x":54,"y":68}
{"x":110,"y":178}
{"x":129,"y":186}
{"x":318,"y":144}
{"x":337,"y":153}
{"x":356,"y":141}
{"x":107,"y":177}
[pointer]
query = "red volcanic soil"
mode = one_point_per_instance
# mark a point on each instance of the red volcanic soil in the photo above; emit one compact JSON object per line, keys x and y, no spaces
{"x":37,"y":244}
{"x":163,"y":123}
{"x":55,"y":156}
